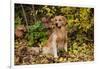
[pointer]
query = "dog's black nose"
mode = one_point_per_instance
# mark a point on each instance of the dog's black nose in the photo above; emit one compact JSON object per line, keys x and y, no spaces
{"x":56,"y":24}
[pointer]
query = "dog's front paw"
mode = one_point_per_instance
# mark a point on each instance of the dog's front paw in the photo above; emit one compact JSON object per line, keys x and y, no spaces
{"x":65,"y":50}
{"x":55,"y":56}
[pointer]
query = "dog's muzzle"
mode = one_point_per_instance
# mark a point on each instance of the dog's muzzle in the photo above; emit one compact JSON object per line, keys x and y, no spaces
{"x":58,"y":26}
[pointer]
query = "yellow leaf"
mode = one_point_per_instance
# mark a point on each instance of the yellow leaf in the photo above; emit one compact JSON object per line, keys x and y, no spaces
{"x":60,"y":59}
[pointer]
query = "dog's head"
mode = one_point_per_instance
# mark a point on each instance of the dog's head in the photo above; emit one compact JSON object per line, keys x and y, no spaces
{"x":59,"y":21}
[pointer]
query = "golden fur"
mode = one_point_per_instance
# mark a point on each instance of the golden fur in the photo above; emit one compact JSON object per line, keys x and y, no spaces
{"x":58,"y":38}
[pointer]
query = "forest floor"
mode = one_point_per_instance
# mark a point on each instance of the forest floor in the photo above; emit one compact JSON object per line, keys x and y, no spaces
{"x":25,"y":56}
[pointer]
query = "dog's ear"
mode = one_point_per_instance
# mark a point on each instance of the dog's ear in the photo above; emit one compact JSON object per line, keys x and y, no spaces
{"x":65,"y":20}
{"x":52,"y":19}
{"x":52,"y":22}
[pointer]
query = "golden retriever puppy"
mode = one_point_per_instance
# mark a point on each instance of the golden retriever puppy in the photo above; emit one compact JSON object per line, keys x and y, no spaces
{"x":58,"y":38}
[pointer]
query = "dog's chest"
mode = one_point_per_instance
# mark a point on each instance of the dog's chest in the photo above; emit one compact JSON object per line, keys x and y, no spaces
{"x":60,"y":36}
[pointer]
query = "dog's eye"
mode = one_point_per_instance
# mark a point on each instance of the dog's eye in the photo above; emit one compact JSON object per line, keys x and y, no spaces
{"x":60,"y":20}
{"x":55,"y":19}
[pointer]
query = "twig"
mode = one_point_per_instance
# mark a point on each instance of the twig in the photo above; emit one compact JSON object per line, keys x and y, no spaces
{"x":34,"y":13}
{"x":24,"y":14}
